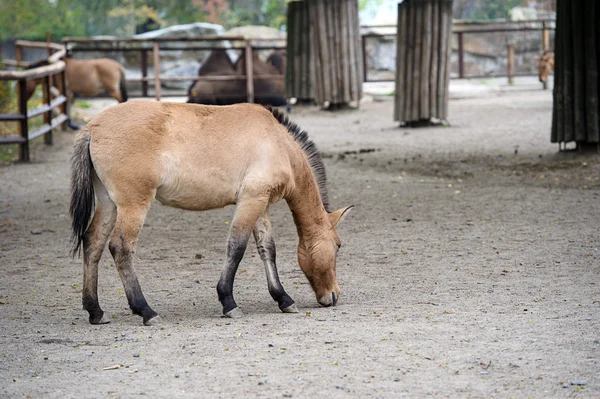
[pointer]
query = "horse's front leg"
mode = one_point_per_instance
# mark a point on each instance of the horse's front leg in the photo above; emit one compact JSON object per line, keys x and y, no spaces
{"x":266,"y":249}
{"x":246,"y":215}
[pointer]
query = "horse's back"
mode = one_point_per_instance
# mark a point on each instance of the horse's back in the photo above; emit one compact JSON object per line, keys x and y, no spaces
{"x":92,"y":77}
{"x":191,"y":156}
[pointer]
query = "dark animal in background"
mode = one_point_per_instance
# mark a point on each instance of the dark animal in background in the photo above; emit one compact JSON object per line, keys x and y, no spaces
{"x":269,"y":91}
{"x":215,"y":92}
{"x":278,"y":60}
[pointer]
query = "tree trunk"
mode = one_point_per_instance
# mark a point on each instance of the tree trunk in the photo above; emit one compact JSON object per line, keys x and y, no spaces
{"x":575,"y":113}
{"x":422,"y":60}
{"x":324,"y":50}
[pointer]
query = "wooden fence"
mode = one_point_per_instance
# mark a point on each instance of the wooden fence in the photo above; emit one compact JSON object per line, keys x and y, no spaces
{"x":460,"y":31}
{"x":49,"y":76}
{"x":152,"y":47}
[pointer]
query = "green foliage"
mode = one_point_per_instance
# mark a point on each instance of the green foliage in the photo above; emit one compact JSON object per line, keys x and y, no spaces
{"x":363,"y":4}
{"x":5,"y":96}
{"x":495,"y":9}
{"x":31,"y":19}
{"x":5,"y":93}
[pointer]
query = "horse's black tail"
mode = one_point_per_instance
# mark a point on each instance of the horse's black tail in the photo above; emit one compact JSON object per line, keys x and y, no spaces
{"x":82,"y":190}
{"x":122,"y":87}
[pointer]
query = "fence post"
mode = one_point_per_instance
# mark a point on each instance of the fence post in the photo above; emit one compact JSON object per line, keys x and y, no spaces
{"x":510,"y":61}
{"x":23,"y":147}
{"x":144,"y":67}
{"x":47,"y":115}
{"x":65,"y":105}
{"x":461,"y":55}
{"x":249,"y":72}
{"x":545,"y":37}
{"x":156,"y":60}
{"x":364,"y":51}
{"x":18,"y":55}
{"x":48,"y":41}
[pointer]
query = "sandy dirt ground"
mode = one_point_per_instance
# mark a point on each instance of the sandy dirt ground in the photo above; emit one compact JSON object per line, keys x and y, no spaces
{"x":469,"y":268}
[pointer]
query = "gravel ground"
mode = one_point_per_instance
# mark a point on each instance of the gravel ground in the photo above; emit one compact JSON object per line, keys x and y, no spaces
{"x":469,"y":268}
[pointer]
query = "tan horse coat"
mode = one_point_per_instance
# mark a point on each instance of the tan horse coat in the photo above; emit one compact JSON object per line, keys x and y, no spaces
{"x":89,"y":78}
{"x":200,"y":157}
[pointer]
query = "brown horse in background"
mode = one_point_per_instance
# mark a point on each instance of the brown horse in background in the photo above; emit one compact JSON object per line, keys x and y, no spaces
{"x":88,"y":78}
{"x":545,"y":66}
{"x":267,"y":91}
{"x":200,"y":157}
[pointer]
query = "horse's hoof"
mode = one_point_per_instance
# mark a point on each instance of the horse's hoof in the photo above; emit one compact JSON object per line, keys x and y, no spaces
{"x":103,"y":320}
{"x":155,"y":321}
{"x":290,"y":309}
{"x":234,"y":313}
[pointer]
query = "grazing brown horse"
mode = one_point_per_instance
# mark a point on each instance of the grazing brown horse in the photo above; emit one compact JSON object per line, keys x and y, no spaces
{"x":545,"y":66}
{"x":88,"y":78}
{"x":267,"y":91}
{"x":200,"y":157}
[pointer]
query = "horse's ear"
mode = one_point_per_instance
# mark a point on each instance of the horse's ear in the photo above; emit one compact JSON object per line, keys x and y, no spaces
{"x":337,"y":216}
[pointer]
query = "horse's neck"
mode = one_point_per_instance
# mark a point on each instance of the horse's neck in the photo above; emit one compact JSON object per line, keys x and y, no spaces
{"x":305,"y":203}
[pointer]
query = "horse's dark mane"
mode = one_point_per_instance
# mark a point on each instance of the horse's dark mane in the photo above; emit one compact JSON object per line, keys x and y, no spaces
{"x":309,"y":148}
{"x":38,"y":64}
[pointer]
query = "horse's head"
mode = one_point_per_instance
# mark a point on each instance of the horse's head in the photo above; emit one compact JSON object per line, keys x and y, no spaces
{"x":317,"y":256}
{"x":545,"y":65}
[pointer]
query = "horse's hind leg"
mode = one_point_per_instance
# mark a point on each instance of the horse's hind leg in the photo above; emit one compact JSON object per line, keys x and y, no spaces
{"x":246,"y":214}
{"x":94,"y":242}
{"x":122,"y":247}
{"x":266,"y":249}
{"x":114,"y":93}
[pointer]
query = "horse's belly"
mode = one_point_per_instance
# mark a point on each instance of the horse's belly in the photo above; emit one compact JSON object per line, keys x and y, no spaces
{"x":195,"y":195}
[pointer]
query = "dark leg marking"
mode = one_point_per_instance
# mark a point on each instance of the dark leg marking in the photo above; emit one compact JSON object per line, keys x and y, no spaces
{"x":236,"y":246}
{"x":90,"y":291}
{"x":94,"y":242}
{"x":266,"y":249}
{"x":123,"y":256}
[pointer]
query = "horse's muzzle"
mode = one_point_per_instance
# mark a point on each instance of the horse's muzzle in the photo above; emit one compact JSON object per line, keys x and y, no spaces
{"x":329,"y":300}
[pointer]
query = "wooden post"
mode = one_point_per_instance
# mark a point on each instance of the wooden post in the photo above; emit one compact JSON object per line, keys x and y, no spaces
{"x":575,"y":112}
{"x":48,"y":41}
{"x":249,"y":71}
{"x":545,"y":37}
{"x":300,"y":68}
{"x":423,"y":61}
{"x":461,"y":55}
{"x":510,"y":63}
{"x":18,"y":55}
{"x":335,"y":52}
{"x":156,"y":60}
{"x":364,"y":54}
{"x":144,"y":68}
{"x":23,"y":123}
{"x":47,"y":115}
{"x":65,"y":107}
